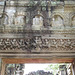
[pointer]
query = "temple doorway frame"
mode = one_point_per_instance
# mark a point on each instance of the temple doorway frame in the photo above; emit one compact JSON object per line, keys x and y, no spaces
{"x":36,"y":60}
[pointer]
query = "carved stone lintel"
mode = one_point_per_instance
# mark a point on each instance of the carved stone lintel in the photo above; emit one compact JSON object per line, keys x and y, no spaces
{"x":37,"y":42}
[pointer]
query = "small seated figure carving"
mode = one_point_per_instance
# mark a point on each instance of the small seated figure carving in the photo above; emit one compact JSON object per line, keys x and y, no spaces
{"x":11,"y":19}
{"x":57,"y":21}
{"x":5,"y":22}
{"x":19,"y":20}
{"x":8,"y":44}
{"x":14,"y":44}
{"x":37,"y":22}
{"x":21,"y":44}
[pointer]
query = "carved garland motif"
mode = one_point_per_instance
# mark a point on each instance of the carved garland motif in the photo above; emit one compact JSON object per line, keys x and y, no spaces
{"x":37,"y":43}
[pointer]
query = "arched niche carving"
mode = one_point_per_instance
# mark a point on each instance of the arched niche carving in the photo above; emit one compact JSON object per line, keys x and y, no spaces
{"x":73,"y":21}
{"x":37,"y":22}
{"x":57,"y":21}
{"x":4,"y":20}
{"x":20,"y":19}
{"x":10,"y":11}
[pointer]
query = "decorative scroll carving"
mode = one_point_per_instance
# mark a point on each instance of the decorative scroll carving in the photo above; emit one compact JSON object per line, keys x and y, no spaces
{"x":35,"y":43}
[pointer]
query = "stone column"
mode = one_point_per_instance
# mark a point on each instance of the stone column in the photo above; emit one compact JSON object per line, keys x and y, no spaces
{"x":0,"y":66}
{"x":3,"y":68}
{"x":73,"y":64}
{"x":63,"y":70}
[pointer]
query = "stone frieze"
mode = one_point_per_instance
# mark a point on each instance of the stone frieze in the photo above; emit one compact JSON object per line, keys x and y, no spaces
{"x":37,"y":43}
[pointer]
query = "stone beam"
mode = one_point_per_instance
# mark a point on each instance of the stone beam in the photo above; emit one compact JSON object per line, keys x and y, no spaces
{"x":39,"y":60}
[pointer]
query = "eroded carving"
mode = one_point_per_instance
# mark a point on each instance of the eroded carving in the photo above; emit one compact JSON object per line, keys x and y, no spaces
{"x":37,"y":21}
{"x":35,"y":43}
{"x":57,"y":21}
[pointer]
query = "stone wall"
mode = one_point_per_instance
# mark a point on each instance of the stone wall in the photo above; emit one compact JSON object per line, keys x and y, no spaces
{"x":60,"y":16}
{"x":55,"y":33}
